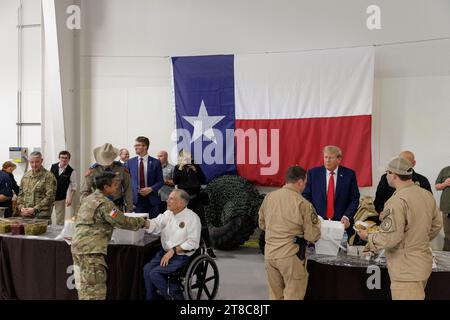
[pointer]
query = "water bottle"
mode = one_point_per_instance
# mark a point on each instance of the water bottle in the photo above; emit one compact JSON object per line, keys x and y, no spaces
{"x":344,"y":241}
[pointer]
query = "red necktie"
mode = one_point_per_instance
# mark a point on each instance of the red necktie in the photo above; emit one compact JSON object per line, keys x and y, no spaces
{"x":141,"y":174}
{"x":330,"y":197}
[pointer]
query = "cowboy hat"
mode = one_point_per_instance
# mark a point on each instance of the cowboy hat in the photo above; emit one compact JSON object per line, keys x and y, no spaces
{"x":105,"y":154}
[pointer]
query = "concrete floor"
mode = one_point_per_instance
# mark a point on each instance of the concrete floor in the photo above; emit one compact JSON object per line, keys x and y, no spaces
{"x":242,"y":274}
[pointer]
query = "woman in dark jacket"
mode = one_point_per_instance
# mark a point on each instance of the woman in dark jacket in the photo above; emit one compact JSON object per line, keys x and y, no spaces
{"x":7,"y":170}
{"x":189,"y":177}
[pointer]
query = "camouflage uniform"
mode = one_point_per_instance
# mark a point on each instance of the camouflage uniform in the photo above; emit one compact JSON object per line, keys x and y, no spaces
{"x":94,"y":226}
{"x":123,"y":193}
{"x":37,"y":190}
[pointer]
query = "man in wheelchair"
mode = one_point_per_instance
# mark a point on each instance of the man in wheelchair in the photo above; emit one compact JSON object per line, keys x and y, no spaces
{"x":179,"y":228}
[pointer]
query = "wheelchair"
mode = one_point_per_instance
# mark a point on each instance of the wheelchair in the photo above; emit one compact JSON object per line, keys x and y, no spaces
{"x":198,"y":278}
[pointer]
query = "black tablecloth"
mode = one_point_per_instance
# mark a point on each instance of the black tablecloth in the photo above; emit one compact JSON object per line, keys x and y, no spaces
{"x":43,"y":269}
{"x":347,"y":277}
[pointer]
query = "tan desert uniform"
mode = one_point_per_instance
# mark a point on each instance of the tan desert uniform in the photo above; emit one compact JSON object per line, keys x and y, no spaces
{"x":124,"y":192}
{"x":411,"y":220}
{"x":283,"y":215}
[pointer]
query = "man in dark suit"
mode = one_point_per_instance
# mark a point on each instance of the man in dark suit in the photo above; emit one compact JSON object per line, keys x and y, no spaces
{"x":332,"y":189}
{"x":146,"y":179}
{"x":385,"y":191}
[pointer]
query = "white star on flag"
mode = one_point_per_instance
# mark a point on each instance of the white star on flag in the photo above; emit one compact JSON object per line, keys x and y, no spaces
{"x":203,"y":124}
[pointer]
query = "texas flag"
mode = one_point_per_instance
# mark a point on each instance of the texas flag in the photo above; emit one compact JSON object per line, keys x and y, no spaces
{"x":258,"y":114}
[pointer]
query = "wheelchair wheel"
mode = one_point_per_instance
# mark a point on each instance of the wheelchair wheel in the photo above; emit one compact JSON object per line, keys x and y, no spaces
{"x":202,"y":279}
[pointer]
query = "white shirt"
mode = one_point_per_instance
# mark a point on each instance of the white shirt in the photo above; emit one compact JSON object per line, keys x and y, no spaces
{"x":145,"y":168}
{"x":334,"y":178}
{"x":73,"y":178}
{"x":181,"y":229}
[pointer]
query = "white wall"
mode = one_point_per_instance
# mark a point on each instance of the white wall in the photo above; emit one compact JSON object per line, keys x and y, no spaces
{"x":189,"y":27}
{"x":31,"y":90}
{"x":32,"y":75}
{"x":125,"y":98}
{"x":414,"y":115}
{"x":8,"y":77}
{"x":53,"y":133}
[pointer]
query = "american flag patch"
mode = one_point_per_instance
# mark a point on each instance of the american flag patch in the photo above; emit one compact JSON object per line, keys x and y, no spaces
{"x":114,"y":213}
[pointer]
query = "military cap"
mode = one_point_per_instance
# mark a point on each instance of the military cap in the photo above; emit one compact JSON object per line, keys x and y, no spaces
{"x":400,"y":166}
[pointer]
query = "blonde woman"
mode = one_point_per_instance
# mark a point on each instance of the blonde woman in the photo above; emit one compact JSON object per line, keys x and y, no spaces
{"x":189,"y":176}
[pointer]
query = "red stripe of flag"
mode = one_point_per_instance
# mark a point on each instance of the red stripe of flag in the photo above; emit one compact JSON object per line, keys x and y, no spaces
{"x":301,"y":142}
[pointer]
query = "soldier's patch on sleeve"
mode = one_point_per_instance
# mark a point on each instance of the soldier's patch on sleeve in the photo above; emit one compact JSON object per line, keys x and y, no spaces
{"x":386,"y":212}
{"x":386,"y":225}
{"x":314,"y":218}
{"x":114,"y":213}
